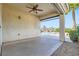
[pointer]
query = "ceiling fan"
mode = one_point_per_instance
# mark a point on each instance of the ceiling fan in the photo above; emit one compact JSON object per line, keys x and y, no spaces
{"x":34,"y":8}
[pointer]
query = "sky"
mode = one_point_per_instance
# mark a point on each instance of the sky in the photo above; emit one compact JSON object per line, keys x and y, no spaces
{"x":68,"y":21}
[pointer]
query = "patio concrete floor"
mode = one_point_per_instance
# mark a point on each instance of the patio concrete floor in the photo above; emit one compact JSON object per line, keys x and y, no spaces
{"x":38,"y":46}
{"x":67,"y":49}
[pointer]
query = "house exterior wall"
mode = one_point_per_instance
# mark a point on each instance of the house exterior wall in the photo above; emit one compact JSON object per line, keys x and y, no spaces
{"x":16,"y":29}
{"x":0,"y":27}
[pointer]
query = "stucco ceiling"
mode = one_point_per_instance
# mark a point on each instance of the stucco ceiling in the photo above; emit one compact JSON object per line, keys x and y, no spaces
{"x":47,"y":8}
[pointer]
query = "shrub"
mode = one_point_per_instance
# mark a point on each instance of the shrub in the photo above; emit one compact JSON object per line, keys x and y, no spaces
{"x":73,"y":35}
{"x":78,"y":30}
{"x":68,"y":30}
{"x":56,"y":30}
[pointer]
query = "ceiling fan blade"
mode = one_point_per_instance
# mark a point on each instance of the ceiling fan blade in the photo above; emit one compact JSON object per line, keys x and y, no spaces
{"x":39,"y":9}
{"x":29,"y":7}
{"x":30,"y":10}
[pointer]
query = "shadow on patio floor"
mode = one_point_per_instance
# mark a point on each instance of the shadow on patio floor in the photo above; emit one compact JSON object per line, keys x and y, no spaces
{"x":67,"y":49}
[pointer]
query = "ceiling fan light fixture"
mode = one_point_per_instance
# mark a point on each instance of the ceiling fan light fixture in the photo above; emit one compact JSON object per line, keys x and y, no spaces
{"x":34,"y":8}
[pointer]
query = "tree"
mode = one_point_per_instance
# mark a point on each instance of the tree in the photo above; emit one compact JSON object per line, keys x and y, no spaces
{"x":74,"y":20}
{"x":73,"y":7}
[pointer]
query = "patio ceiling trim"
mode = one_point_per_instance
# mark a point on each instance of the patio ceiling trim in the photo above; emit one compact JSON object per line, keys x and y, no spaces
{"x":57,"y":8}
{"x":61,"y":8}
{"x":49,"y":18}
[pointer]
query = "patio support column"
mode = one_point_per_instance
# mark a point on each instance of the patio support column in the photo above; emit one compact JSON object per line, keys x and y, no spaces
{"x":62,"y":28}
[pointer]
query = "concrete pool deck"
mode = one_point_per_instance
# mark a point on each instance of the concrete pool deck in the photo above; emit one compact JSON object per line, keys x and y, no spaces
{"x":55,"y":35}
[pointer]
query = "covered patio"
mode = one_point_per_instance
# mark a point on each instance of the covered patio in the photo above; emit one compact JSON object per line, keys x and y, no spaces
{"x":21,"y":29}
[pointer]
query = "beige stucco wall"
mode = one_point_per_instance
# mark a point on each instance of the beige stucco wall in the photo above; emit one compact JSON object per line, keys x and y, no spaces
{"x":1,"y":26}
{"x":28,"y":26}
